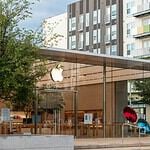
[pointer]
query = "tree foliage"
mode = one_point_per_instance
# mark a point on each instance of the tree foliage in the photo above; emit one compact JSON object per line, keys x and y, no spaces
{"x":143,"y":88}
{"x":20,"y":65}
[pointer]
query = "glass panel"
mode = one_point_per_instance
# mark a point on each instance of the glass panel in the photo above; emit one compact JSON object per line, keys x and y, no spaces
{"x":72,"y":24}
{"x":94,"y":36}
{"x":81,"y":22}
{"x":87,"y":38}
{"x":108,"y":50}
{"x":73,"y":42}
{"x":130,"y":7}
{"x":114,"y":50}
{"x":108,"y":14}
{"x":107,"y":34}
{"x":80,"y":40}
{"x":114,"y":32}
{"x":99,"y":35}
{"x":95,"y":17}
{"x":114,"y":11}
{"x":87,"y":19}
{"x":99,"y":16}
{"x":130,"y":47}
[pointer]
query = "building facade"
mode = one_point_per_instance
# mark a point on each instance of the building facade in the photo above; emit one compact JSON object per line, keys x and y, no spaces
{"x":55,"y":26}
{"x":96,"y":26}
{"x":136,"y":28}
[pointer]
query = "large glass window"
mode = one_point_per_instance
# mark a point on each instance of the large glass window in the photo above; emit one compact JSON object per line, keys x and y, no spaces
{"x":108,"y":50}
{"x":87,"y":38}
{"x":72,"y":42}
{"x":114,"y":32}
{"x":95,"y":17}
{"x":107,"y":34}
{"x":99,"y":35}
{"x":130,"y":7}
{"x":146,"y":21}
{"x":81,"y":22}
{"x":95,"y":51}
{"x":130,"y":29}
{"x":72,"y":24}
{"x":114,"y":11}
{"x":130,"y":47}
{"x":80,"y":46}
{"x":99,"y":16}
{"x":87,"y":19}
{"x":146,"y":4}
{"x":146,"y":44}
{"x":94,"y":36}
{"x":99,"y":51}
{"x":114,"y":50}
{"x":107,"y":14}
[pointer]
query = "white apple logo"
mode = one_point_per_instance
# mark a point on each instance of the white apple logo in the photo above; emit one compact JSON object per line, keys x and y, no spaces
{"x":56,"y":73}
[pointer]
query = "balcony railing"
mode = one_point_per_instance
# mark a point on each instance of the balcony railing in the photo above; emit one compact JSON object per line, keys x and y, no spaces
{"x":142,"y":10}
{"x":143,"y":52}
{"x":143,"y":31}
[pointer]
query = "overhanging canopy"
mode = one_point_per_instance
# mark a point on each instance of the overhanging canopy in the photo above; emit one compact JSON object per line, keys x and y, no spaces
{"x":75,"y":56}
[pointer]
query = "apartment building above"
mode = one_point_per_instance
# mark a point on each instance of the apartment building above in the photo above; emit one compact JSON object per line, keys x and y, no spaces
{"x":136,"y":20}
{"x":96,"y":26}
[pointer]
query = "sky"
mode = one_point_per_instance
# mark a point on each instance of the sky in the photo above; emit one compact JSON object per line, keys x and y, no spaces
{"x":44,"y":9}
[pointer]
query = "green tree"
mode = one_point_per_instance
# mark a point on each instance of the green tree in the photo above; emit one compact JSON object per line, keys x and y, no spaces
{"x":20,"y":65}
{"x":143,"y":89}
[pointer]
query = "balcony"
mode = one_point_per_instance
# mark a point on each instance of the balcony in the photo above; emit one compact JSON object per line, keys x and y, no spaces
{"x":142,"y":10}
{"x":143,"y":32}
{"x":141,"y":53}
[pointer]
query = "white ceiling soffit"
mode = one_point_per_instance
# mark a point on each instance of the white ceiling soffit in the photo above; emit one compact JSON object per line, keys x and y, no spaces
{"x":82,"y":57}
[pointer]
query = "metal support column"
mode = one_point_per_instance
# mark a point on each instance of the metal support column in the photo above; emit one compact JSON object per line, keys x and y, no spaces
{"x":75,"y":113}
{"x":104,"y":100}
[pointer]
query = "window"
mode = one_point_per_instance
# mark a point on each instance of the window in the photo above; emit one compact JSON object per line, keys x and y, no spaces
{"x":130,"y":29}
{"x":107,"y":14}
{"x":130,"y":47}
{"x":95,"y":17}
{"x":108,"y":50}
{"x":99,"y":16}
{"x":146,"y":44}
{"x":94,"y":36}
{"x":81,"y":22}
{"x":72,"y":24}
{"x":87,"y":38}
{"x":80,"y":46}
{"x":99,"y":35}
{"x":114,"y":32}
{"x":114,"y":50}
{"x":95,"y":51}
{"x":146,"y":4}
{"x":114,"y":11}
{"x":146,"y":21}
{"x":99,"y":51}
{"x":130,"y":7}
{"x":107,"y":34}
{"x":72,"y":42}
{"x":87,"y":19}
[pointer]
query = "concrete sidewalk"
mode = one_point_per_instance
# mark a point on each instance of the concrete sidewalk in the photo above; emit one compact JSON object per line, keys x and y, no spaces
{"x":113,"y":143}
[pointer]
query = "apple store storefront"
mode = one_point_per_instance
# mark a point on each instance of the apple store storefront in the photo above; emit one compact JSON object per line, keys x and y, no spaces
{"x":85,"y":94}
